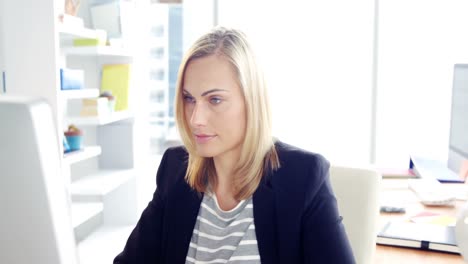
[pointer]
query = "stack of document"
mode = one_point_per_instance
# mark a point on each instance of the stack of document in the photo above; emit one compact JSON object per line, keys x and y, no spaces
{"x":418,"y":235}
{"x":95,"y":107}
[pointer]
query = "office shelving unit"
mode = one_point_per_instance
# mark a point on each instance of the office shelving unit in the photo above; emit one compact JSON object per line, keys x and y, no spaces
{"x":102,"y":189}
{"x":86,"y":153}
{"x":96,"y":51}
{"x":79,"y":94}
{"x":101,"y":179}
{"x":101,"y":120}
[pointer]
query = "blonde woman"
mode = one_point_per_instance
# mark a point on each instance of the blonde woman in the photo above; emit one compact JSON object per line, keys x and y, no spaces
{"x":232,"y":194}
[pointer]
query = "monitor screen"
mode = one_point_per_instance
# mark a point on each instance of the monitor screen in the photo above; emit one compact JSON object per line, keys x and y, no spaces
{"x":35,"y":222}
{"x":458,"y":142}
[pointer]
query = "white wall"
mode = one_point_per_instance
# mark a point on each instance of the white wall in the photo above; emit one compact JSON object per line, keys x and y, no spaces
{"x":30,"y":48}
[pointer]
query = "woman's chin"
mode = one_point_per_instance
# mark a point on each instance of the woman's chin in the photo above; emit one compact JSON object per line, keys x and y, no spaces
{"x":205,"y":153}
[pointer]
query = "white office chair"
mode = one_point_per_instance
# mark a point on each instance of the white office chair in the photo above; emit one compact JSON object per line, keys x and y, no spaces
{"x":357,"y":192}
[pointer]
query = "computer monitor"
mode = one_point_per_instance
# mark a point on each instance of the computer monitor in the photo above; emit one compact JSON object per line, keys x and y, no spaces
{"x":35,"y":219}
{"x":458,"y":142}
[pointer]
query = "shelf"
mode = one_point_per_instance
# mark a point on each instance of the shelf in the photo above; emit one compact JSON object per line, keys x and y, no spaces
{"x":79,"y":94}
{"x":71,"y":32}
{"x":96,"y":51}
{"x":81,"y":155}
{"x":82,"y":212}
{"x":100,"y":183}
{"x":101,"y":120}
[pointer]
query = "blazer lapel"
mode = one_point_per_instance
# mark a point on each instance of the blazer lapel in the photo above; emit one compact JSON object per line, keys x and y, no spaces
{"x":182,"y":215}
{"x":265,"y":225}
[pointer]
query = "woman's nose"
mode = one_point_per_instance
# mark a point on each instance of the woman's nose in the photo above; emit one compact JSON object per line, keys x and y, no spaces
{"x":199,"y":115}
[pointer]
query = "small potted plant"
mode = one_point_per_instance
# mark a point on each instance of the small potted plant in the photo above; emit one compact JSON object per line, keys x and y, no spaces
{"x":111,"y":99}
{"x":74,"y":137}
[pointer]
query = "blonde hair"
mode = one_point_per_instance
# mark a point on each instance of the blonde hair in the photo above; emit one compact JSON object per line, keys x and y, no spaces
{"x":258,"y":155}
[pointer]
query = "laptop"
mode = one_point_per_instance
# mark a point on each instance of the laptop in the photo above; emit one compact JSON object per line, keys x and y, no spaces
{"x":424,"y":167}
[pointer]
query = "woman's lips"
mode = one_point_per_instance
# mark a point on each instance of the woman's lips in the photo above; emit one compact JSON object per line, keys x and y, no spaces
{"x":201,"y":138}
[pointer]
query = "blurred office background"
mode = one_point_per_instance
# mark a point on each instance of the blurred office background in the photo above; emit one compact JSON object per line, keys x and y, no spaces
{"x":359,"y":81}
{"x":362,"y":81}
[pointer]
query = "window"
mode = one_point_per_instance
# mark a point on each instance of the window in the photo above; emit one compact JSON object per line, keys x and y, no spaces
{"x":318,"y":59}
{"x":419,"y":41}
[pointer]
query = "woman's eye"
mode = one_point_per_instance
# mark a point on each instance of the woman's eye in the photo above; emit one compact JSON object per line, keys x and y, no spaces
{"x":215,"y":100}
{"x":188,"y":99}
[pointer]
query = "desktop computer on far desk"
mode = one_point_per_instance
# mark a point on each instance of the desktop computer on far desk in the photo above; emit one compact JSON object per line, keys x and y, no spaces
{"x":456,"y":168}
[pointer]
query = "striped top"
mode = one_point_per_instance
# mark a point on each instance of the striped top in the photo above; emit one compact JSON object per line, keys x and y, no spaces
{"x":223,"y":236}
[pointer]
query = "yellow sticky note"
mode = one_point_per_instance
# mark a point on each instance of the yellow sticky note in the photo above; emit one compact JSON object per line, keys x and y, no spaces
{"x":444,"y":220}
{"x":116,"y":79}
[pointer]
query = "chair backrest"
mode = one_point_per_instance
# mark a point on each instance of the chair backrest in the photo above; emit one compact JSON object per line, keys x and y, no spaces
{"x":357,"y":192}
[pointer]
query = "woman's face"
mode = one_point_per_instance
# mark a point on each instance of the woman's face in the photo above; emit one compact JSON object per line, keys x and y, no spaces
{"x":214,"y":106}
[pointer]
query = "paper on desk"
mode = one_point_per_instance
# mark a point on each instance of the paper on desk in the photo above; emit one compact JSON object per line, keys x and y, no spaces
{"x":427,"y":217}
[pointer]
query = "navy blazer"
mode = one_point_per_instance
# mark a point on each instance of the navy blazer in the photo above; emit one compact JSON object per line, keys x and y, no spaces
{"x":295,"y":213}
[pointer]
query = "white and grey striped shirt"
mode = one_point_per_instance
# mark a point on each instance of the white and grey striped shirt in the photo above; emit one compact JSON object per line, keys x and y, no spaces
{"x":223,"y":236}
